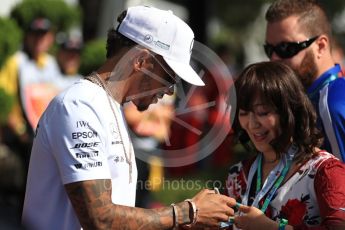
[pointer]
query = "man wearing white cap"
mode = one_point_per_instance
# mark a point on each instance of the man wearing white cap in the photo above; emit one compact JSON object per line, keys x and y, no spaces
{"x":82,"y":170}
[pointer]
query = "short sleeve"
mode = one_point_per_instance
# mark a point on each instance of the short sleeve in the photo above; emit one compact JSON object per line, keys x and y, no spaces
{"x":77,"y":140}
{"x":330,"y":192}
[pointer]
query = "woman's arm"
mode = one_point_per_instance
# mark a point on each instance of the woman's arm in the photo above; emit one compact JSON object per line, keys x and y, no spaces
{"x":330,"y":192}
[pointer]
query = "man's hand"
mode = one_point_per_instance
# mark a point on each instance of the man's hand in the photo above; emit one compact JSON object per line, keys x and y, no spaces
{"x":213,"y":208}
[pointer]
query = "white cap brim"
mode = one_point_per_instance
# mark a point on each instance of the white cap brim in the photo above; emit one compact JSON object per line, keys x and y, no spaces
{"x":184,"y":71}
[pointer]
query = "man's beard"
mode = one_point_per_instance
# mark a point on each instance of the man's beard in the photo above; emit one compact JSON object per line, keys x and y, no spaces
{"x":144,"y":85}
{"x":142,"y":107}
{"x":307,"y":70}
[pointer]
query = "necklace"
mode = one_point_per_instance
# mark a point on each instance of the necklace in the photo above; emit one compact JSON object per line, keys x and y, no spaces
{"x":96,"y":79}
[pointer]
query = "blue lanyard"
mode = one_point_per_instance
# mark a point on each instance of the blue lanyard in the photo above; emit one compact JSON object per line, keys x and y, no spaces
{"x":276,"y":184}
{"x":273,"y":181}
{"x":317,"y":90}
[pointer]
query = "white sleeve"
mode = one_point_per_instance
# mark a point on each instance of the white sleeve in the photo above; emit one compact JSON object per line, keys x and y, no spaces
{"x":78,"y":140}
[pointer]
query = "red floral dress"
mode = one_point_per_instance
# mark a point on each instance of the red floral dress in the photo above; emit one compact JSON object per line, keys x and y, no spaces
{"x":312,"y":198}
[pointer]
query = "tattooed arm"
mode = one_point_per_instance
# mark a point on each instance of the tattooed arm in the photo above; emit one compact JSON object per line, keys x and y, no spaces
{"x":92,"y":203}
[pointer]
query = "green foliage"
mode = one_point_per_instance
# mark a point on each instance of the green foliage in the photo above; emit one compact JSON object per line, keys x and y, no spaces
{"x":92,"y":56}
{"x":238,"y":14}
{"x":6,"y":103}
{"x":177,"y":189}
{"x":332,"y":7}
{"x":62,"y":15}
{"x":10,"y":39}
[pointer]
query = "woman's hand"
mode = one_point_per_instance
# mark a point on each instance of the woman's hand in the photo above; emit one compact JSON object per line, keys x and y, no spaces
{"x":254,"y":218}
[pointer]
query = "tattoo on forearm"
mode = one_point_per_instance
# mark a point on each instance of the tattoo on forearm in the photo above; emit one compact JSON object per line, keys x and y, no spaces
{"x":92,"y":202}
{"x":184,"y":213}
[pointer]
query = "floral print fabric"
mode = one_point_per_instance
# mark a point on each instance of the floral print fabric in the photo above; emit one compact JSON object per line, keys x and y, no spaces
{"x":301,"y":199}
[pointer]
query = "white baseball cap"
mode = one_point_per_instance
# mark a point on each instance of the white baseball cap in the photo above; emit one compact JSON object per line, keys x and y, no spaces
{"x":165,"y":34}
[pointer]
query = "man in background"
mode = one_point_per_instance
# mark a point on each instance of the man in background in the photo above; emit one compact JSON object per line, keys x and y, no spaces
{"x":299,"y":34}
{"x":68,"y":55}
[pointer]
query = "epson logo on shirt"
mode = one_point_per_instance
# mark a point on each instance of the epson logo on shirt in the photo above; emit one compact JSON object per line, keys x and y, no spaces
{"x":84,"y":135}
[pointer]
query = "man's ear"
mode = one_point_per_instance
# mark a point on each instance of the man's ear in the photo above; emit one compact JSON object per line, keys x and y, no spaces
{"x":142,"y":59}
{"x":323,"y":45}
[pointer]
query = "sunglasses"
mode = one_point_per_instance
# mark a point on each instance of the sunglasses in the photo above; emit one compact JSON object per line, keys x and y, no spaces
{"x":288,"y":49}
{"x":172,"y":79}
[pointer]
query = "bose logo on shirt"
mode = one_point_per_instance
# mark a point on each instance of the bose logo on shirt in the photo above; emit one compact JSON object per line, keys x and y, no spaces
{"x":85,"y":145}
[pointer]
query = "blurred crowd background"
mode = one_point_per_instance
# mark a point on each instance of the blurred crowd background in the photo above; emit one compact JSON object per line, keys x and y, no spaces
{"x":46,"y":45}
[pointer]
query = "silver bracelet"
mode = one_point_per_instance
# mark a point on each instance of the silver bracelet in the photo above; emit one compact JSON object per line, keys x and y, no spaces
{"x":175,"y":216}
{"x":195,"y":212}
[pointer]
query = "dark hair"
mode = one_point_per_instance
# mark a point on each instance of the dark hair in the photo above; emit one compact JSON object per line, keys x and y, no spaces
{"x":278,"y":86}
{"x":312,"y":17}
{"x":115,"y":40}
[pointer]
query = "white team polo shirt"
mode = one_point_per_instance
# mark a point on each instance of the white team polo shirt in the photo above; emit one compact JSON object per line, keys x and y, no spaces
{"x":77,"y":139}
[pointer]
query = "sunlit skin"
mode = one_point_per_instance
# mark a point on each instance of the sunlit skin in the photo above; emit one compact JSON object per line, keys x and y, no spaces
{"x":309,"y":63}
{"x":143,"y":82}
{"x":149,"y":83}
{"x":262,"y":126}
